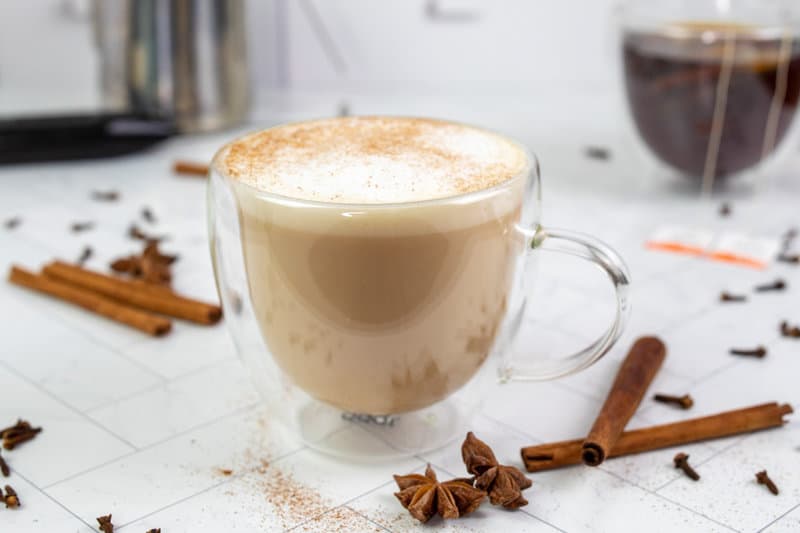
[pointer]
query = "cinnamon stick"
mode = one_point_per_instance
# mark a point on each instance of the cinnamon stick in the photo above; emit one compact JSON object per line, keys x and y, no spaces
{"x":138,"y":294}
{"x":746,"y":420}
{"x":634,"y":376}
{"x":91,"y":301}
{"x":190,"y":168}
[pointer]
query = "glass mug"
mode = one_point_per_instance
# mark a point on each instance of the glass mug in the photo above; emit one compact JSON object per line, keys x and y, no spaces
{"x":395,"y":318}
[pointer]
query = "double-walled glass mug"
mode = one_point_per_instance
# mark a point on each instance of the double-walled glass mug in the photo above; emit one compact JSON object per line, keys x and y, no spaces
{"x":395,"y":317}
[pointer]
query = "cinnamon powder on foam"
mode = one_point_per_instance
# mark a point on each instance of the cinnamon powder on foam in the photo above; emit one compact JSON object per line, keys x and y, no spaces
{"x":372,"y":160}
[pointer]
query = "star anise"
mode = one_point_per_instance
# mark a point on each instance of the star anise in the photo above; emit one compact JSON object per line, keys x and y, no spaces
{"x":424,"y":496}
{"x":151,"y":265}
{"x":503,"y":483}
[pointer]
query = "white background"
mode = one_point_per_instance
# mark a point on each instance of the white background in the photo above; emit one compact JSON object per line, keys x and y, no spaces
{"x":466,"y":45}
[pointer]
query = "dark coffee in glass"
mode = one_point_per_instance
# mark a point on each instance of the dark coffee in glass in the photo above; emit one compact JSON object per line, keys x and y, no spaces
{"x":711,"y":99}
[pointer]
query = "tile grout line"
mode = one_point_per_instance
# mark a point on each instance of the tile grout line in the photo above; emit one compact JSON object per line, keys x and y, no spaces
{"x":185,"y":432}
{"x":230,"y":479}
{"x":719,"y":370}
{"x":124,"y":398}
{"x":737,"y":440}
{"x":780,"y":517}
{"x":645,"y":489}
{"x":368,"y":519}
{"x":40,"y":307}
{"x":52,"y":499}
{"x":520,"y":433}
{"x":61,"y":402}
{"x":576,"y":390}
{"x":345,"y":503}
{"x":542,"y":520}
{"x":330,"y":510}
{"x":162,"y":383}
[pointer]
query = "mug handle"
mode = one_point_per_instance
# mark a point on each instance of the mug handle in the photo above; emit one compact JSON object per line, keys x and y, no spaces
{"x":594,"y":251}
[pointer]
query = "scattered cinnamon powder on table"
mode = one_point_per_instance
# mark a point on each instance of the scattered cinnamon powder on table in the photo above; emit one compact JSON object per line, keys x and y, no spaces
{"x":293,"y":501}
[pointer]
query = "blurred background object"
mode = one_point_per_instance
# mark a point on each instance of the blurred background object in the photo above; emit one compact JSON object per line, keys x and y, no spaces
{"x":160,"y":66}
{"x":513,"y":63}
{"x":184,"y":59}
{"x":712,"y":86}
{"x":310,"y":44}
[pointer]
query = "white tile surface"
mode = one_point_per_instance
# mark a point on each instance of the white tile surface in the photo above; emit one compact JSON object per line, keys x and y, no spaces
{"x":76,"y":369}
{"x":177,"y":469}
{"x":727,"y":490}
{"x":787,"y":523}
{"x":174,"y":407}
{"x":338,"y":519}
{"x":279,"y":494}
{"x":188,"y":348}
{"x":39,"y":460}
{"x":599,"y":501}
{"x":548,"y":412}
{"x":38,"y":512}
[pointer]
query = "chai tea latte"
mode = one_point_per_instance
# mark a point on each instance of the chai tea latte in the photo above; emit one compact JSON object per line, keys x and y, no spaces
{"x":379,"y":252}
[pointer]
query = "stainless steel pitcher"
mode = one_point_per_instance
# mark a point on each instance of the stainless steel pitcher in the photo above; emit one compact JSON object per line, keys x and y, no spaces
{"x":184,"y":59}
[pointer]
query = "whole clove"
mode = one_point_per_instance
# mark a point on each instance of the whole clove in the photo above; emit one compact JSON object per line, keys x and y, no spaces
{"x":598,"y":153}
{"x":777,"y":285}
{"x":9,"y":443}
{"x":763,"y":479}
{"x":786,"y":258}
{"x":105,"y":196}
{"x":792,"y":332}
{"x":684,"y":402}
{"x":12,"y":223}
{"x":681,"y":461}
{"x":20,"y":432}
{"x":758,"y":352}
{"x":148,"y":216}
{"x":11,"y":498}
{"x":86,"y":254}
{"x":725,"y":210}
{"x":789,"y":237}
{"x":154,"y":530}
{"x":80,"y":227}
{"x":728,"y":297}
{"x":135,"y":232}
{"x":4,"y":469}
{"x":105,"y":523}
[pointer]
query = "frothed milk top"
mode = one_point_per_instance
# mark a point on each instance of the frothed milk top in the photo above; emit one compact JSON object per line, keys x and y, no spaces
{"x":372,"y":160}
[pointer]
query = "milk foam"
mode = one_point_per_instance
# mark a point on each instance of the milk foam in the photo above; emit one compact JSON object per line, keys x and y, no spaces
{"x":372,"y":160}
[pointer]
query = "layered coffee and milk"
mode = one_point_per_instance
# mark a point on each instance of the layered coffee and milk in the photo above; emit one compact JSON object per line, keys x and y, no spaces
{"x":379,"y":252}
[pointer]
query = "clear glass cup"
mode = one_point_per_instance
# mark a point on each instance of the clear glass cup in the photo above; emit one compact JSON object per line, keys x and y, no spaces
{"x":712,"y":87}
{"x":396,"y":318}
